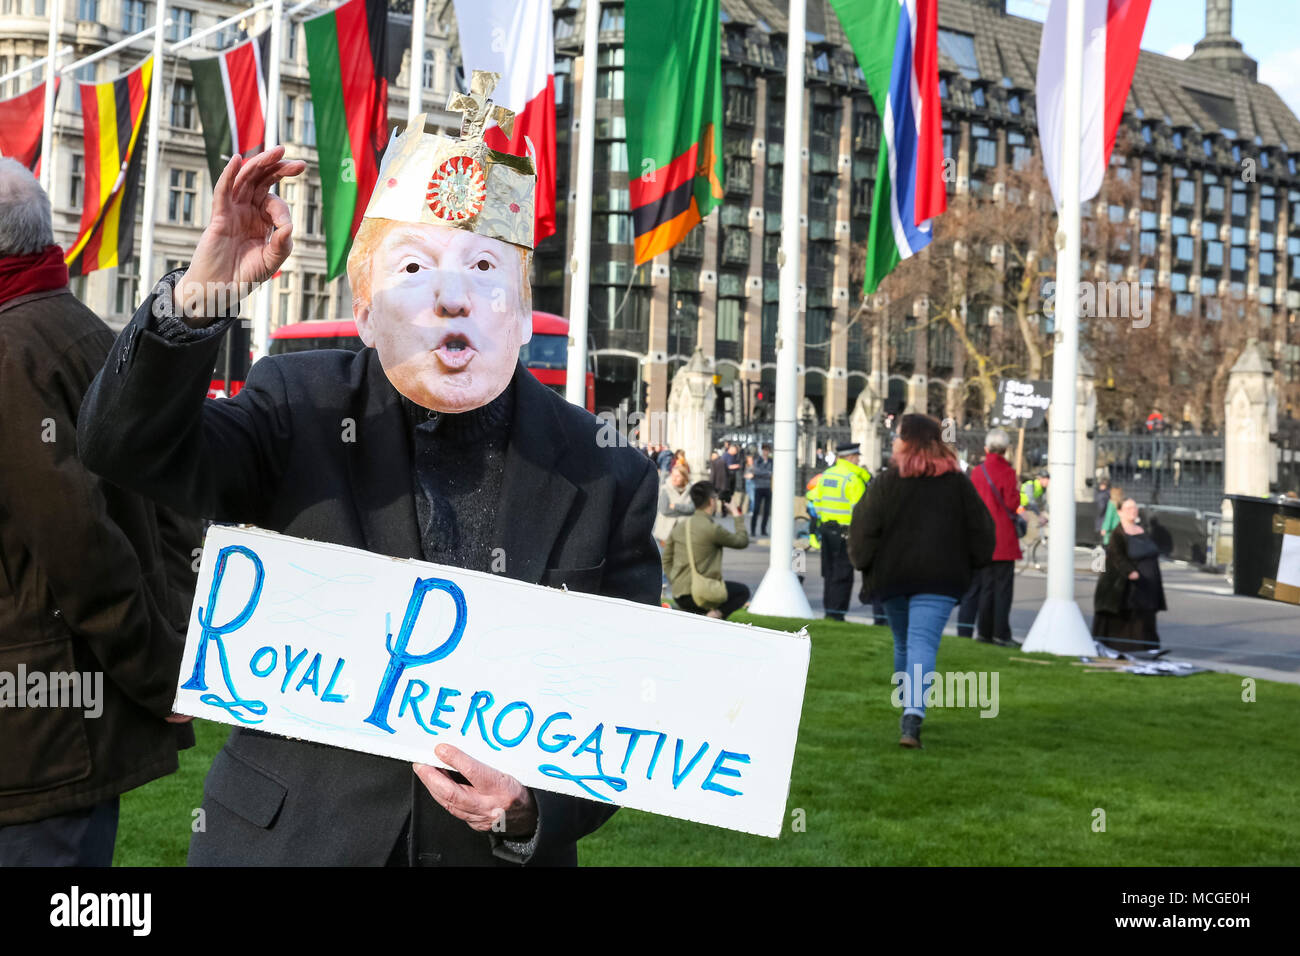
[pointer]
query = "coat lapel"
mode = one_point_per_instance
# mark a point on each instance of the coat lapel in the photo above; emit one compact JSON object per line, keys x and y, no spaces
{"x":535,"y":494}
{"x":379,"y":464}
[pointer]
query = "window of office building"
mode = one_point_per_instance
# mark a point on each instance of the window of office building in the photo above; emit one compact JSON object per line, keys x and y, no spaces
{"x":308,"y":123}
{"x":284,"y":298}
{"x":182,"y":196}
{"x":288,"y":120}
{"x":729,"y":312}
{"x":960,"y":47}
{"x":1239,"y":200}
{"x":124,"y":291}
{"x":612,"y":227}
{"x":88,"y":10}
{"x":429,"y":79}
{"x":1021,"y":153}
{"x":315,"y":297}
{"x":312,"y":221}
{"x":984,"y":145}
{"x":76,"y":181}
{"x":182,"y":23}
{"x":609,"y":78}
{"x":183,"y":105}
{"x":133,"y":16}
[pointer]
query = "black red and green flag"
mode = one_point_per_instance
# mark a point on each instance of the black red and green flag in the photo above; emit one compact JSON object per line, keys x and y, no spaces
{"x":113,"y":116}
{"x":230,"y":91}
{"x":21,"y":120}
{"x":673,"y":105}
{"x":347,"y":54}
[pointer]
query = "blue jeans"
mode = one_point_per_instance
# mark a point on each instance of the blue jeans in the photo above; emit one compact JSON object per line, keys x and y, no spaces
{"x":917,"y":621}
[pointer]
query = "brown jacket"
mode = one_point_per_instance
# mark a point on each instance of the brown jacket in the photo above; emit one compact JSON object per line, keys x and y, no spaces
{"x":708,"y":538}
{"x":93,"y":580}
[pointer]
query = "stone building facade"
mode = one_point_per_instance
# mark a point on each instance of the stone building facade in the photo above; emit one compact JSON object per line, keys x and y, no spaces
{"x":1223,"y":246}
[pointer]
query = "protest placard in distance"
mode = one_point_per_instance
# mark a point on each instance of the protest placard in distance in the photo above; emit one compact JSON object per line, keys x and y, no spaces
{"x":580,"y":694}
{"x":1021,"y":404}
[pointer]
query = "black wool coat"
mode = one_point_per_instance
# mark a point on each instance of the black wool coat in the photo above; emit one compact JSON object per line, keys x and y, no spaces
{"x":93,"y":580}
{"x":571,"y":512}
{"x":920,"y":535}
{"x":1111,"y":595}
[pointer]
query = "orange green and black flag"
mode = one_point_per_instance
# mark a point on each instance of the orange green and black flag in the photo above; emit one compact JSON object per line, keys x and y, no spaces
{"x":113,"y":118}
{"x":672,"y":70}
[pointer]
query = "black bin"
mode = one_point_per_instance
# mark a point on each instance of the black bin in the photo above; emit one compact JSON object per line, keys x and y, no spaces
{"x":1256,"y":547}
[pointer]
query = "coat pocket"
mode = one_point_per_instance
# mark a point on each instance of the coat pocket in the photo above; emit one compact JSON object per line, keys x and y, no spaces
{"x":244,"y":789}
{"x":586,"y":580}
{"x":42,"y":746}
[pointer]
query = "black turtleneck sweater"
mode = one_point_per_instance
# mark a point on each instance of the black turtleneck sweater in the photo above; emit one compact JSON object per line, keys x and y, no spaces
{"x":458,"y":464}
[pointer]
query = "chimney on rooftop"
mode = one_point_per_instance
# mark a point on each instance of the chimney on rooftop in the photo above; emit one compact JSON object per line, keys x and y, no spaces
{"x":1218,"y":49}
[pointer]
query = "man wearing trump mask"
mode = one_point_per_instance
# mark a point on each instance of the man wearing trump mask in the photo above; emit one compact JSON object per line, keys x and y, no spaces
{"x":432,"y":442}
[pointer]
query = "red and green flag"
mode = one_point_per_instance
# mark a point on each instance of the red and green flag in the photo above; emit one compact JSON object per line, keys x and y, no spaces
{"x":230,"y":91}
{"x":347,"y":53}
{"x":672,"y":70}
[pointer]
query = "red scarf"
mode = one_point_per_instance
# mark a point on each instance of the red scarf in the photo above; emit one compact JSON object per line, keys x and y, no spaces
{"x":38,"y":272}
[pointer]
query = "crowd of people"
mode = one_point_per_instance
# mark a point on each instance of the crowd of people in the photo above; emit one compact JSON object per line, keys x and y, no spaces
{"x":930,"y":534}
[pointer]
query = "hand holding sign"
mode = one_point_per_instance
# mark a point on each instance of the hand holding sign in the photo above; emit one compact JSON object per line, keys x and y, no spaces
{"x":490,"y":793}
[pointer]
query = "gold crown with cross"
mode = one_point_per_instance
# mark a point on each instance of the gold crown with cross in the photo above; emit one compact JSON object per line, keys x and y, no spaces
{"x":461,"y":183}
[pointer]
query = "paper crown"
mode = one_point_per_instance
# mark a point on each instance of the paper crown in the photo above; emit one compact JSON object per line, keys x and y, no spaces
{"x":461,"y":183}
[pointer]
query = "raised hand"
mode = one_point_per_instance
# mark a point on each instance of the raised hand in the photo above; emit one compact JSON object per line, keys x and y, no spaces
{"x":248,"y":238}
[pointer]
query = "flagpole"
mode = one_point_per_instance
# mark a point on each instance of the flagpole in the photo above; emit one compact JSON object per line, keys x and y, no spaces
{"x":144,"y":268}
{"x":262,"y":311}
{"x":575,"y":378}
{"x":1059,"y":627}
{"x":780,"y":593}
{"x":416,"y":79}
{"x":51,"y":73}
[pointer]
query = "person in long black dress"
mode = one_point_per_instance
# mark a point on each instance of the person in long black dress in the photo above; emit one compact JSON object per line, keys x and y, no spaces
{"x":1130,"y":591}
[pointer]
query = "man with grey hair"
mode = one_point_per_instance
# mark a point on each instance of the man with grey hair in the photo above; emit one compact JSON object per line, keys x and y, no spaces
{"x":988,"y":600}
{"x":95,"y":583}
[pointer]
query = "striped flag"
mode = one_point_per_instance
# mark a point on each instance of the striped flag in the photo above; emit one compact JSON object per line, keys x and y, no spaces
{"x":1113,"y":36}
{"x":673,"y":104}
{"x":514,"y":38}
{"x":896,"y":43}
{"x":346,"y":59}
{"x":230,"y":90}
{"x":113,"y":117}
{"x":20,"y":126}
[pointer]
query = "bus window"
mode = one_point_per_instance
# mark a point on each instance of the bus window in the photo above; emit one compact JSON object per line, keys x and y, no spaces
{"x":546,"y":351}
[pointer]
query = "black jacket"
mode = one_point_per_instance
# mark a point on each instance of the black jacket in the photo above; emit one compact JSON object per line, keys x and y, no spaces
{"x":93,"y":579}
{"x":920,"y":535}
{"x":572,"y":512}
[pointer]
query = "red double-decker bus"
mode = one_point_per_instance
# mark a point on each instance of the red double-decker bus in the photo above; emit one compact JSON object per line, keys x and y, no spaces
{"x":546,"y":355}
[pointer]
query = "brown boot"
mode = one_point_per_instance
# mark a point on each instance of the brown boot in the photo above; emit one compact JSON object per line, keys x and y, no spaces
{"x":910,"y":726}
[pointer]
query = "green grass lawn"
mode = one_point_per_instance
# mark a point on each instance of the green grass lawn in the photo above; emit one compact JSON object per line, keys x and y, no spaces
{"x":1186,"y":772}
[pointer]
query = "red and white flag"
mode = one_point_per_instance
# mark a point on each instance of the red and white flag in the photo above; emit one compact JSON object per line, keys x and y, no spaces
{"x":515,"y":38}
{"x":1112,"y":36}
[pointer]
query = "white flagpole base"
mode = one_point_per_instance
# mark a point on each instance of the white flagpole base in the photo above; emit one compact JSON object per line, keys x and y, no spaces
{"x":1059,"y":628}
{"x":780,"y":595}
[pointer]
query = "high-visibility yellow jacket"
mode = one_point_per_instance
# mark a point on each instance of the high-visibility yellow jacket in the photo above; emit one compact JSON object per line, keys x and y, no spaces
{"x":837,"y":490}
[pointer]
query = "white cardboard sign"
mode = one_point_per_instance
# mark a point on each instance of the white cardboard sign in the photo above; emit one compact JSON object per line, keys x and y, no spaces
{"x":590,"y":696}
